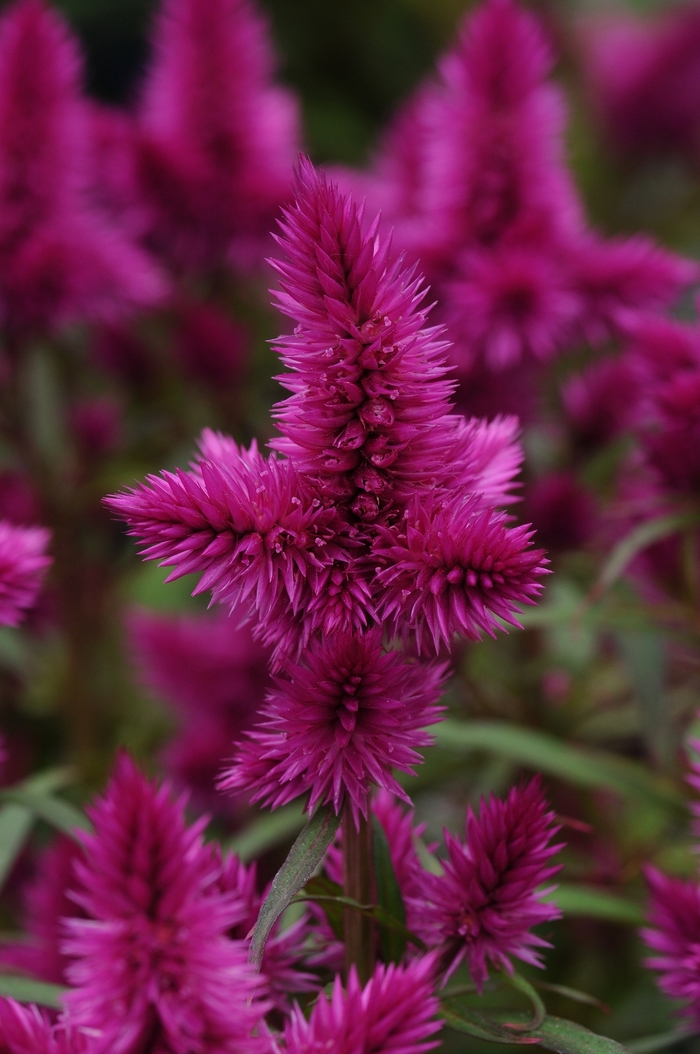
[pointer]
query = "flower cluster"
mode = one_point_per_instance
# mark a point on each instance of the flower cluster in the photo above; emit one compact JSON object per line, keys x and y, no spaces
{"x":380,"y":513}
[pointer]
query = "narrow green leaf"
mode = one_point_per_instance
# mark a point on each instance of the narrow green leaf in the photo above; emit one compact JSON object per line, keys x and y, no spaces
{"x":539,"y":1010}
{"x":637,"y":541}
{"x":662,"y":1041}
{"x":60,"y":814}
{"x":304,"y":856}
{"x":267,"y":832}
{"x":573,"y":899}
{"x":645,"y":658}
{"x":573,"y":994}
{"x":15,"y":824}
{"x":27,"y":990}
{"x":566,"y":1037}
{"x":374,"y":910}
{"x":553,"y":757}
{"x":392,"y":942}
{"x":461,"y":1017}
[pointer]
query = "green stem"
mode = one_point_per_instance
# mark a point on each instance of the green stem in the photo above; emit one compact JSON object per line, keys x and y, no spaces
{"x":357,"y":885}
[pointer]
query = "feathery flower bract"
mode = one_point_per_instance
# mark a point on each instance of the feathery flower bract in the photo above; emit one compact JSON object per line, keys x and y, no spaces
{"x":673,"y":935}
{"x":483,"y":907}
{"x":60,"y":260}
{"x":23,"y":563}
{"x":395,"y":1013}
{"x":154,"y":965}
{"x":217,"y":138}
{"x":338,"y":724}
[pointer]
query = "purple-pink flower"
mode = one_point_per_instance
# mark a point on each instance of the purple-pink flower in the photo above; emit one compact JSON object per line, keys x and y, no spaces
{"x":482,"y":909}
{"x":23,"y":563}
{"x":213,"y":674}
{"x":60,"y":259}
{"x":154,"y":965}
{"x":216,"y":138}
{"x":395,"y":1013}
{"x":673,"y":936}
{"x":338,"y":724}
{"x":26,"y":1030}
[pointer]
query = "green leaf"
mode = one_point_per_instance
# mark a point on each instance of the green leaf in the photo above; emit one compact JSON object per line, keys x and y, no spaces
{"x":304,"y":856}
{"x":573,"y":899}
{"x":461,"y":1017}
{"x":267,"y":832}
{"x":574,"y":994}
{"x":566,"y":1037}
{"x":15,"y":825}
{"x":637,"y":541}
{"x":539,"y":1010}
{"x":392,"y":942}
{"x":662,"y":1041}
{"x":645,"y":658}
{"x":553,"y":757}
{"x":322,"y":887}
{"x":60,"y":814}
{"x":27,"y":990}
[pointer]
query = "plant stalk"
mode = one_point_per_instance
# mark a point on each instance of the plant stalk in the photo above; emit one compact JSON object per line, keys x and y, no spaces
{"x":359,"y":885}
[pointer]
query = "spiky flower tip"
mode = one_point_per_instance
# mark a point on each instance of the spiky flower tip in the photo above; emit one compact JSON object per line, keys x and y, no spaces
{"x":23,"y":563}
{"x":673,"y":935}
{"x":60,"y":259}
{"x":369,"y":415}
{"x":395,"y":1013}
{"x":482,"y":909}
{"x":218,"y":137}
{"x":154,"y":966}
{"x":26,"y":1030}
{"x":339,"y":724}
{"x":451,"y":568}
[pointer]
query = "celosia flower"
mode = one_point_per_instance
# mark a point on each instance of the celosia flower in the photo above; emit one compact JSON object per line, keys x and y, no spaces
{"x":483,"y":907}
{"x":217,"y":138}
{"x":674,"y":938}
{"x":562,"y":511}
{"x":213,"y":674}
{"x":395,"y":1013}
{"x":601,"y":402}
{"x":59,"y":258}
{"x":338,"y":724}
{"x":455,"y":568}
{"x":23,"y":562}
{"x":154,"y":965}
{"x":45,"y":905}
{"x":367,"y":433}
{"x":644,"y":77}
{"x":26,"y":1030}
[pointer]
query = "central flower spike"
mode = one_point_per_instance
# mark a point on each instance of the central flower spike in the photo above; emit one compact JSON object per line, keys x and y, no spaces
{"x":377,"y":511}
{"x":382,"y":506}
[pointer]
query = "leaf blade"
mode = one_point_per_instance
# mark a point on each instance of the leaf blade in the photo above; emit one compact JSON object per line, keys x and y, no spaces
{"x":306,"y":853}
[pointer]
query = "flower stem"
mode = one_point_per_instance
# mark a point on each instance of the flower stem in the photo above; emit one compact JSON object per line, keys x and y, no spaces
{"x":358,"y":884}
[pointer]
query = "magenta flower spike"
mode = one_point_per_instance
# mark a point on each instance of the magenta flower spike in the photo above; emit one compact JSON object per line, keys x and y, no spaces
{"x":46,"y":905}
{"x":154,"y":964}
{"x":395,"y":1013}
{"x":338,"y":724}
{"x":213,"y":675}
{"x":26,"y":1030}
{"x":60,"y":260}
{"x":23,"y":563}
{"x":673,"y":936}
{"x":482,"y":909}
{"x":217,"y":137}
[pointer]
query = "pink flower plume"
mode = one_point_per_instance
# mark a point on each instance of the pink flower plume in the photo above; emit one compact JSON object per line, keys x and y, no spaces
{"x":23,"y":563}
{"x":483,"y":907}
{"x":217,"y":137}
{"x":60,"y":259}
{"x":673,"y":936}
{"x":154,"y":964}
{"x":395,"y":1013}
{"x":338,"y":724}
